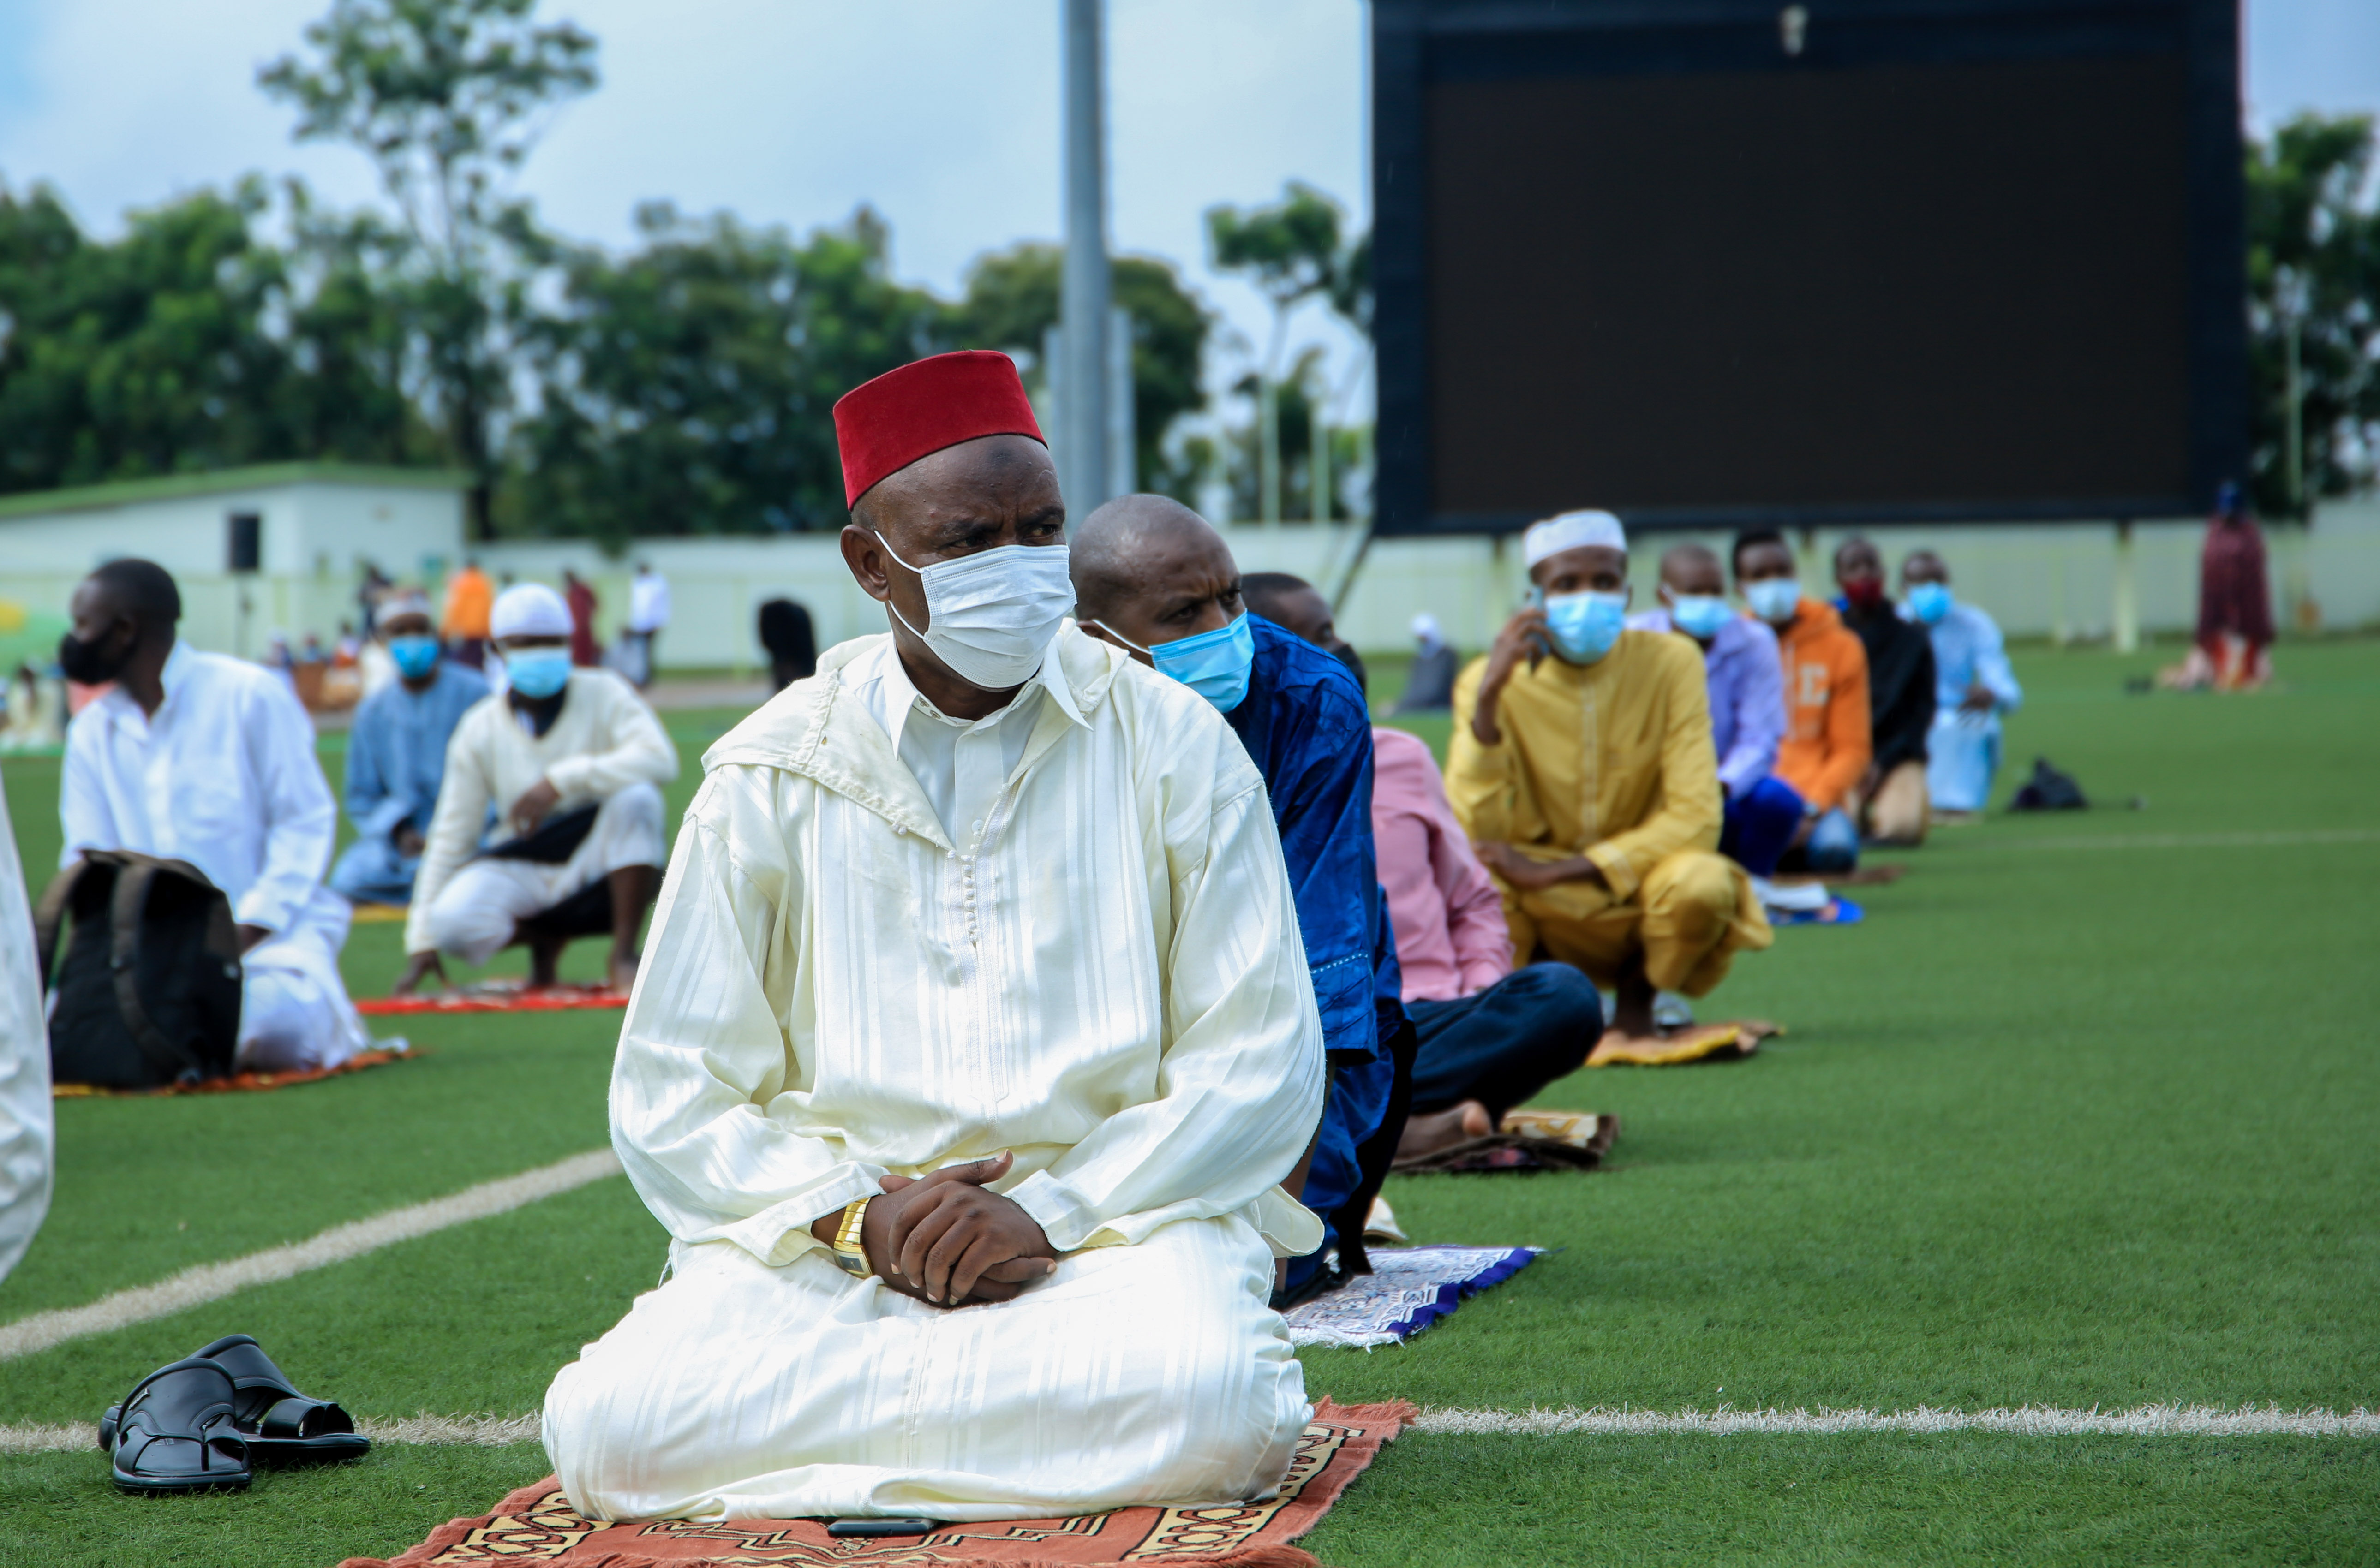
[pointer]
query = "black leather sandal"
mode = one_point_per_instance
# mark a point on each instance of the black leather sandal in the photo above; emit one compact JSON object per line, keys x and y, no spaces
{"x":282,"y":1425}
{"x":174,"y":1433}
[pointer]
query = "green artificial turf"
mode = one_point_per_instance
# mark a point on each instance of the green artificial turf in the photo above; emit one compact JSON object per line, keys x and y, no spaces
{"x":2060,"y":1122}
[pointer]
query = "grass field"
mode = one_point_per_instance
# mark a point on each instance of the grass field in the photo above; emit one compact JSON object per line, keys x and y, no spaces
{"x":2083,"y":1115}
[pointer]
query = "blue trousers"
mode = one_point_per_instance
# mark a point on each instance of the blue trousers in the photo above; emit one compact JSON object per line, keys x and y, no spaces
{"x":372,"y":872}
{"x":1502,"y":1044}
{"x":1759,"y":823}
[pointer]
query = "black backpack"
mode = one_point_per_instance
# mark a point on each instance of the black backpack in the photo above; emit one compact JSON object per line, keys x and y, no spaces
{"x":2048,"y":790}
{"x":148,"y":994}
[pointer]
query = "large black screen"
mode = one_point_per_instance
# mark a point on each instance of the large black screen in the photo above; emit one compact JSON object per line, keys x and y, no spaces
{"x":1875,"y":288}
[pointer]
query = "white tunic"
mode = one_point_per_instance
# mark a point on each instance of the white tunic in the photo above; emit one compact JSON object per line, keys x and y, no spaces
{"x":25,"y":1128}
{"x":1107,"y":981}
{"x":224,"y":776}
{"x":603,"y":739}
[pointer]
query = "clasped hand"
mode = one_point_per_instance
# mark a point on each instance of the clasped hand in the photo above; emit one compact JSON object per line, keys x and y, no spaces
{"x":947,"y":1239}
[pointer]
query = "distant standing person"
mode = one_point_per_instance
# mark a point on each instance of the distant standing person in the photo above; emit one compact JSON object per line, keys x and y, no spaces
{"x":2235,"y":600}
{"x":1891,"y":794}
{"x":585,"y":652}
{"x":1973,"y":687}
{"x":469,"y":596}
{"x":649,"y":612}
{"x":786,"y":633}
{"x":1430,"y":687}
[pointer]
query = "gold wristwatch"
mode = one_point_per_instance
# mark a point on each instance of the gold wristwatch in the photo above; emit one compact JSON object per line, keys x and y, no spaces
{"x":848,"y":1252}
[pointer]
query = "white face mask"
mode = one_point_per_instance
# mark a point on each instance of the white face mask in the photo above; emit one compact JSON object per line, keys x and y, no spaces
{"x":991,"y":616}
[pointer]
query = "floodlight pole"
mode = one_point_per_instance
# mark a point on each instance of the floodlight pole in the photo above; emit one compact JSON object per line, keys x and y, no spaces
{"x":1087,"y":289}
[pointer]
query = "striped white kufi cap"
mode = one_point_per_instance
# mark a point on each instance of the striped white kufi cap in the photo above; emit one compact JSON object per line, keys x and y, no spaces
{"x":1570,"y":530}
{"x":529,"y":610}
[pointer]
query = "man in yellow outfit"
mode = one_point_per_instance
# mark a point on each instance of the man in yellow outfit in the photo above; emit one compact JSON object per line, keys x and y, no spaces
{"x":1582,"y":765}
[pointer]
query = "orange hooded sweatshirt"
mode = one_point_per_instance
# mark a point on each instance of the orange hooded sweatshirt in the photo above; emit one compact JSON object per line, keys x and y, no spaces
{"x":1827,"y":747}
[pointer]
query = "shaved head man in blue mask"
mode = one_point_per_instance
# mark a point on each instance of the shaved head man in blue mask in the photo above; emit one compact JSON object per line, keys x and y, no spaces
{"x":1154,"y":579}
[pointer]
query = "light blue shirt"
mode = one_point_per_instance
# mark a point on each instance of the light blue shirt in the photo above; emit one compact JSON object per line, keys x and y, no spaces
{"x":1968,"y":651}
{"x":396,"y":751}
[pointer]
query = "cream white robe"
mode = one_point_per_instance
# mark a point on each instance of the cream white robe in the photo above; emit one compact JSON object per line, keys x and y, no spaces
{"x":1107,"y":981}
{"x":27,"y":1136}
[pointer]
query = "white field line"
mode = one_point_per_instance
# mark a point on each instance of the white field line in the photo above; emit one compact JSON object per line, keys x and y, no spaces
{"x":212,"y":1281}
{"x":2198,"y":841}
{"x":475,"y":1431}
{"x":2031,"y":1420}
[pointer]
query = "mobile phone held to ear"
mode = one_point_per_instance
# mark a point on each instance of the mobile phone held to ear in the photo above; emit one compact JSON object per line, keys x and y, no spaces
{"x":868,"y":1529}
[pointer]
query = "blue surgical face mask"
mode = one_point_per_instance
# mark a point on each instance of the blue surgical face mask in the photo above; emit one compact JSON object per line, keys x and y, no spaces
{"x":1585,"y":625}
{"x":536,"y":672}
{"x":1929,"y":602}
{"x":1700,"y":615}
{"x":415,"y":657}
{"x":1773,"y":600}
{"x":1213,"y":664}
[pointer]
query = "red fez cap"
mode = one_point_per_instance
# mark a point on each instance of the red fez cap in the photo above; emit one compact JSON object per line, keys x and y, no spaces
{"x":886,"y":424}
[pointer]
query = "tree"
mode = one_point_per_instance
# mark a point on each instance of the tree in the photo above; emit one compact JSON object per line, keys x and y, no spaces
{"x":687,"y":387}
{"x":1012,"y":300}
{"x":1293,"y":251}
{"x":2313,"y":283}
{"x":447,"y":97}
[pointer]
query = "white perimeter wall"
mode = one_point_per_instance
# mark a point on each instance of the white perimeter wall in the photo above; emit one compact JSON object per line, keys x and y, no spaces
{"x":316,"y":537}
{"x":2039,"y":581}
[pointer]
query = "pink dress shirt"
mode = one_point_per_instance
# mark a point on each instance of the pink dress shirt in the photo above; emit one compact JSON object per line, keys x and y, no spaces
{"x":1452,"y":939}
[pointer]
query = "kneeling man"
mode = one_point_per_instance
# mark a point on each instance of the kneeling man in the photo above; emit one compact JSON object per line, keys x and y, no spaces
{"x":574,"y":760}
{"x":1582,"y":766}
{"x":973,"y":1040}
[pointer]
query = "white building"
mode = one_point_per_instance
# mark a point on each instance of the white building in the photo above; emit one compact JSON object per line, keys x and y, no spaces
{"x":255,"y":551}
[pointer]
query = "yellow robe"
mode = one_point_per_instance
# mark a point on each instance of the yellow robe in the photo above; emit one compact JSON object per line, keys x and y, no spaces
{"x":1612,"y":761}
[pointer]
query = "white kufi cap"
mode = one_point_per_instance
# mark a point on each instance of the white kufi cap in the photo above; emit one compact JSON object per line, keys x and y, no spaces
{"x":1572,"y":530}
{"x":529,"y":610}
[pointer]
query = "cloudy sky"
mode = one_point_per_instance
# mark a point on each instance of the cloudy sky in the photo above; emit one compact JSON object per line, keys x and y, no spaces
{"x":943,"y":113}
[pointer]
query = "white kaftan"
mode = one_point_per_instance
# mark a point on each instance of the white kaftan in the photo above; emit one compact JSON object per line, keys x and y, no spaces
{"x":224,"y":776}
{"x":27,"y":1136}
{"x":1108,"y":981}
{"x":604,"y":740}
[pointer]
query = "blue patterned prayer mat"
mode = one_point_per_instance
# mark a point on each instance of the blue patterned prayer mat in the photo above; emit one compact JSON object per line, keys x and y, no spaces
{"x":1410,"y":1288}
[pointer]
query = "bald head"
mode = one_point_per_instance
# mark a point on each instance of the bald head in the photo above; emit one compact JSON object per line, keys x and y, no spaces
{"x":1148,"y":569}
{"x":1691,"y":569}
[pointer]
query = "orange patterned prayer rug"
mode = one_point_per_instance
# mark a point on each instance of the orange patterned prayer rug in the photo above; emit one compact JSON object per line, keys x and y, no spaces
{"x":538,"y":1525}
{"x":241,"y":1082}
{"x":498,"y":997}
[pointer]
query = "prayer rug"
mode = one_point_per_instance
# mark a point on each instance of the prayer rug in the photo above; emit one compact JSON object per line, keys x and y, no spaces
{"x":242,"y":1082}
{"x":1408,"y":1289}
{"x":1836,"y":911}
{"x":1528,"y":1140}
{"x":1695,"y":1042}
{"x":536,"y":1524}
{"x":499,"y":996}
{"x":381,"y":914}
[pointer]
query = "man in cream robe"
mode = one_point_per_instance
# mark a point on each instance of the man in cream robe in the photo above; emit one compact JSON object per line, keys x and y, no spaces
{"x":1054,"y":937}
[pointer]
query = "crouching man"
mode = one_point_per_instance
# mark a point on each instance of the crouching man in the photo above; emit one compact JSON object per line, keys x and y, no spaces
{"x":574,"y":760}
{"x":973,"y":1040}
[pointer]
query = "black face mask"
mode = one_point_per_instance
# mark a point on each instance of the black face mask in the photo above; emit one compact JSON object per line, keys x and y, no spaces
{"x":89,"y":663}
